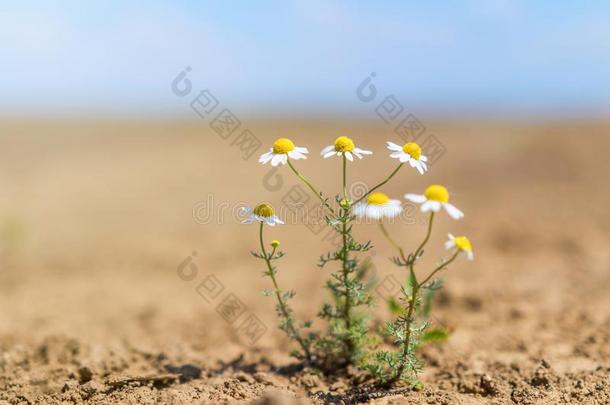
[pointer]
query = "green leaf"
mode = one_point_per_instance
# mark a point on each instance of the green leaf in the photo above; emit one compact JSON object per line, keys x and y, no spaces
{"x":394,"y":306}
{"x":411,"y":282}
{"x":435,"y":335}
{"x":429,"y":295}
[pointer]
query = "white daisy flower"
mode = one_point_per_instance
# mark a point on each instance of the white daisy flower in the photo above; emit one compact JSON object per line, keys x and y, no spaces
{"x":435,"y":197}
{"x":344,"y":146}
{"x":261,"y":213}
{"x":283,"y":148}
{"x":409,"y":152}
{"x":460,"y":243}
{"x":377,"y":206}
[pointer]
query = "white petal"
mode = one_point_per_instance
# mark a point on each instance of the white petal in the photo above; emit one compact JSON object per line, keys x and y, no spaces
{"x":327,"y":149}
{"x":391,"y":210}
{"x":419,"y":167}
{"x":279,"y":159}
{"x":429,"y":205}
{"x":453,"y":211}
{"x":296,"y":155}
{"x":404,"y":158}
{"x":412,"y":162}
{"x":329,"y":154}
{"x":394,"y":147}
{"x":373,"y":211}
{"x":363,"y":151}
{"x":423,"y":158}
{"x":265,"y":157}
{"x":449,"y":244}
{"x":470,"y":255}
{"x":349,"y":156}
{"x":416,"y":198}
{"x":301,"y":149}
{"x":359,"y":210}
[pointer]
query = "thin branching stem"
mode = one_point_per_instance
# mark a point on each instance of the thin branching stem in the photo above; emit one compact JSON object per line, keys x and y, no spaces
{"x":311,"y":187}
{"x":426,"y":239}
{"x":412,"y":303}
{"x":344,"y":259}
{"x":281,"y":303}
{"x":392,"y":241}
{"x":412,"y":299}
{"x":407,"y":329}
{"x":344,"y":177}
{"x":440,"y":267}
{"x":380,"y":184}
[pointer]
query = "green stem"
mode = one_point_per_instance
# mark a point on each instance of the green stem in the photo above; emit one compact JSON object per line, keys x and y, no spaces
{"x":282,"y":304}
{"x":409,"y":318}
{"x":389,"y":238}
{"x":346,"y":278}
{"x":416,"y":284}
{"x":344,"y":177}
{"x":408,"y":321}
{"x":380,"y":184}
{"x":440,"y":267}
{"x":421,"y":246}
{"x":311,"y":187}
{"x":412,"y":300}
{"x":344,"y":259}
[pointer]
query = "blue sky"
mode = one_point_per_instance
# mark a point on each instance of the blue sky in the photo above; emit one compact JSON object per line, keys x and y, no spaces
{"x":481,"y":58}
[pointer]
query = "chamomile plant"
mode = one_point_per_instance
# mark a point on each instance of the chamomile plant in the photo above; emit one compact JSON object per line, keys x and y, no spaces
{"x":410,"y":327}
{"x":265,"y":215}
{"x":348,"y":338}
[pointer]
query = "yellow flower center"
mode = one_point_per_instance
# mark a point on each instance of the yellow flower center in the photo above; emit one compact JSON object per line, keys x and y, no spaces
{"x":344,"y":144}
{"x":462,"y":243}
{"x":412,"y":149}
{"x":263,"y":210}
{"x":378,"y":199}
{"x":437,"y":193}
{"x":282,"y":145}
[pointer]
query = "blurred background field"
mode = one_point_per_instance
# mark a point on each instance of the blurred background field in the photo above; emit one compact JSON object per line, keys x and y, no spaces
{"x":98,"y":216}
{"x":115,"y":173}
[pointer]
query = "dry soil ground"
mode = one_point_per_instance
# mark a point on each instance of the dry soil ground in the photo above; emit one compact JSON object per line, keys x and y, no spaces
{"x":99,"y":220}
